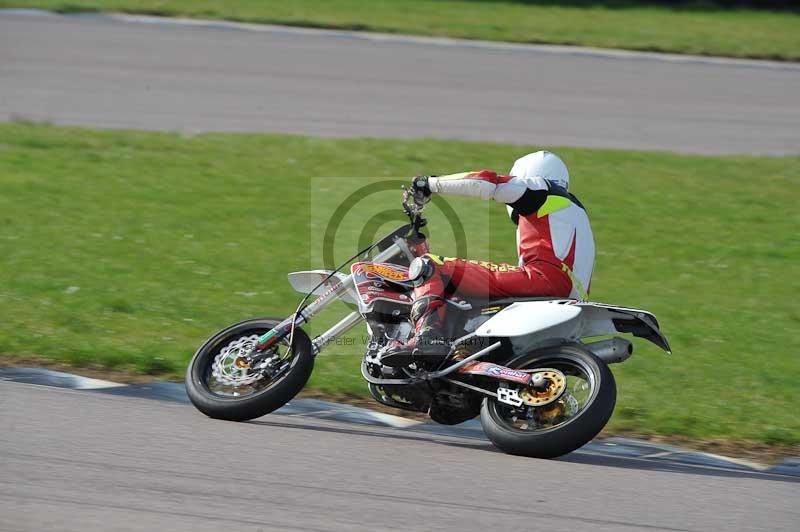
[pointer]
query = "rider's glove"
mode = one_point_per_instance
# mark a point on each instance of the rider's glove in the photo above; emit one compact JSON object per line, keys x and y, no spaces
{"x":421,"y":190}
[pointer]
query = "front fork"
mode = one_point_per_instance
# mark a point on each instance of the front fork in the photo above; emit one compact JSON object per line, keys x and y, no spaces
{"x":284,"y":328}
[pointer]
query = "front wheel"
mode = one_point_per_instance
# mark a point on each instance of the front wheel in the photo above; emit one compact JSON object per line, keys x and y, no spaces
{"x":564,"y":425}
{"x":221,"y":386}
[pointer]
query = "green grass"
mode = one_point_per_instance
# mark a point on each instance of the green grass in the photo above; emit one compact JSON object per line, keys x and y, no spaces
{"x":127,"y":249}
{"x":736,"y":33}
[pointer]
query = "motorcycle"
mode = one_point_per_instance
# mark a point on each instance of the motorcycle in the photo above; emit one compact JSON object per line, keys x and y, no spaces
{"x":527,"y":366}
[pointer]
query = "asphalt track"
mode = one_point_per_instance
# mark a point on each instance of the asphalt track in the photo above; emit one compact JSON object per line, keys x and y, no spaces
{"x":83,"y":461}
{"x":94,"y":71}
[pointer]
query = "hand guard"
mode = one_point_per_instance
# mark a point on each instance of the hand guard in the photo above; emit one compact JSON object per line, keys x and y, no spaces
{"x":421,"y":190}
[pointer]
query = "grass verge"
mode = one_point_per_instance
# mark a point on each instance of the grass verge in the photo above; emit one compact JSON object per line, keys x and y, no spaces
{"x":124,"y":250}
{"x":708,"y":31}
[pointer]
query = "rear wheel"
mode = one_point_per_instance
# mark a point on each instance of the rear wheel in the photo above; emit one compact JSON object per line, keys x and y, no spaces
{"x":563,"y":425}
{"x":221,"y":386}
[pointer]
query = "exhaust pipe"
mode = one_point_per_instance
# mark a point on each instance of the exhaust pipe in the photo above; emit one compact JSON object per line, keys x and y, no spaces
{"x":611,"y":351}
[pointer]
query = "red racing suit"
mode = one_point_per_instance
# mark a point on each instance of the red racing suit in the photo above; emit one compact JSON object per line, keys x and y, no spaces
{"x":554,"y":242}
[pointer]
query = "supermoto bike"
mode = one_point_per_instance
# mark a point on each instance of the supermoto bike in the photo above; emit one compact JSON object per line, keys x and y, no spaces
{"x":525,"y":365}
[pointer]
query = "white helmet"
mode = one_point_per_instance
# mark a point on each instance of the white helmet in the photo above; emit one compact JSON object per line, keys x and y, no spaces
{"x":542,"y":164}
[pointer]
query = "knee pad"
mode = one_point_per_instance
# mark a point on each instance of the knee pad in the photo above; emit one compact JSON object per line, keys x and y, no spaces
{"x":424,"y":306}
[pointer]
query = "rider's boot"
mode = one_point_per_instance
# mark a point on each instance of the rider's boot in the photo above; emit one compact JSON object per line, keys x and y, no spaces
{"x":429,"y":338}
{"x":428,"y":343}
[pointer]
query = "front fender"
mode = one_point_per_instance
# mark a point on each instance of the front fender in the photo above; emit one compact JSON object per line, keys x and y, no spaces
{"x":304,"y":282}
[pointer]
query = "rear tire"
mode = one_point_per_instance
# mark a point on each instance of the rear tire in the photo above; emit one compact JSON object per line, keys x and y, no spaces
{"x":262,"y":402}
{"x":565,"y":437}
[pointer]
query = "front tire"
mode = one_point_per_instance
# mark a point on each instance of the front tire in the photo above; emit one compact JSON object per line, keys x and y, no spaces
{"x":498,"y":420}
{"x":258,"y":402}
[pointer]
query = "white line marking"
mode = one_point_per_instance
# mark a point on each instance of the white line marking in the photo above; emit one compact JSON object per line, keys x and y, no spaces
{"x":85,"y":383}
{"x":394,"y":421}
{"x":739,"y":461}
{"x":657,"y":455}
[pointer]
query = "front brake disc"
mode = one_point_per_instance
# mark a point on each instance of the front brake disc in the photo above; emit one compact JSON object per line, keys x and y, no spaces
{"x":229,"y":366}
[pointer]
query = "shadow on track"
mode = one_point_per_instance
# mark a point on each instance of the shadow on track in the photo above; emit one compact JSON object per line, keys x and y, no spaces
{"x":390,"y":433}
{"x":578,"y":457}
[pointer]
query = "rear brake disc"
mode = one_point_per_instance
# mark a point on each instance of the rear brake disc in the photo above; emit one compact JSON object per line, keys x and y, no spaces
{"x":554,"y":384}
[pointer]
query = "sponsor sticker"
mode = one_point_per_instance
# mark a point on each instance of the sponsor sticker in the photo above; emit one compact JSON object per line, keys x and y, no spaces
{"x":499,"y":372}
{"x":385,"y":271}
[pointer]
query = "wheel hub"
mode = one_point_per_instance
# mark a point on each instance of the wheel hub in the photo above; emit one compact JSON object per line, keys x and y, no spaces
{"x":231,"y":367}
{"x":548,"y":385}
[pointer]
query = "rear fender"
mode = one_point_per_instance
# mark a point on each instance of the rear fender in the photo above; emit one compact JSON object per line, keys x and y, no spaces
{"x":534,"y":323}
{"x":598,"y":319}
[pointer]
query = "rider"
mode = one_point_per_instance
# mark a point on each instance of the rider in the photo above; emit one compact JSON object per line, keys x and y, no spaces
{"x":554,"y":243}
